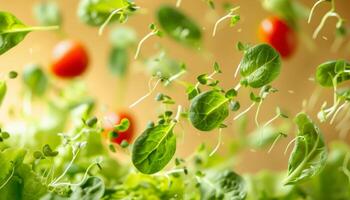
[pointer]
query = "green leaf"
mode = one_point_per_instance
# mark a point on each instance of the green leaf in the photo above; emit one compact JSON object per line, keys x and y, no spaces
{"x":178,"y":26}
{"x":47,"y":13}
{"x":327,"y":72}
{"x":96,"y":12}
{"x":123,"y":125}
{"x":92,"y":189}
{"x":10,"y":159}
{"x":259,"y":66}
{"x":163,"y":65}
{"x":192,"y":92}
{"x":154,"y":148}
{"x":13,"y":31}
{"x":48,"y":151}
{"x":309,"y":154}
{"x":35,"y":79}
{"x":119,"y":61}
{"x":208,"y":110}
{"x":226,"y":185}
{"x":3,"y":90}
{"x":234,"y":20}
{"x":123,"y":37}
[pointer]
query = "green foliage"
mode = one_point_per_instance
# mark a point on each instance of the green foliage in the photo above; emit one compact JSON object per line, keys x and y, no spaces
{"x":333,"y":72}
{"x":154,"y":148}
{"x":208,"y":110}
{"x":224,"y":185}
{"x":47,"y":13}
{"x":95,"y":13}
{"x":118,"y":61}
{"x":178,"y":26}
{"x":35,"y":79}
{"x":259,"y":66}
{"x":3,"y":90}
{"x":309,"y":155}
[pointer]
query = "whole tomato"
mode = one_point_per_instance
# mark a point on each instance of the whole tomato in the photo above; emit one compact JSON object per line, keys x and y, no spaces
{"x":279,"y":35}
{"x":69,"y":59}
{"x":113,"y":119}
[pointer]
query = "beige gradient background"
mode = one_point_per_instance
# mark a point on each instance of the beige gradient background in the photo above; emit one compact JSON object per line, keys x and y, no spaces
{"x":294,"y":76}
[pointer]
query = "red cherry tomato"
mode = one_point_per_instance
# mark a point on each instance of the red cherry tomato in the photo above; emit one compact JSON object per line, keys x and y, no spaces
{"x":279,"y":35}
{"x":69,"y":59}
{"x":113,"y":119}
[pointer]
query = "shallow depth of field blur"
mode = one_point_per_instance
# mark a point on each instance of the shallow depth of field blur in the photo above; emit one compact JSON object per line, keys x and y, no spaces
{"x":293,"y":84}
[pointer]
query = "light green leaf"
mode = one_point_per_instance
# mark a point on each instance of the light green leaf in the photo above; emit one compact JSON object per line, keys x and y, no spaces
{"x":154,"y":148}
{"x":47,"y":13}
{"x":3,"y":90}
{"x":178,"y":26}
{"x":208,"y":110}
{"x":118,"y":61}
{"x":259,"y":66}
{"x":35,"y":79}
{"x":309,"y":154}
{"x":327,"y":71}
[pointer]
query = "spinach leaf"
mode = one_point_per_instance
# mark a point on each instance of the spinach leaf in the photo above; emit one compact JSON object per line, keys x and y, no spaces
{"x":35,"y":79}
{"x":13,"y":31}
{"x":154,"y":148}
{"x":208,"y":110}
{"x":309,"y":154}
{"x":226,"y":185}
{"x":178,"y":26}
{"x":92,"y":189}
{"x":3,"y":90}
{"x":96,"y":12}
{"x":259,"y":66}
{"x":47,"y":13}
{"x":118,"y":61}
{"x":328,"y":71}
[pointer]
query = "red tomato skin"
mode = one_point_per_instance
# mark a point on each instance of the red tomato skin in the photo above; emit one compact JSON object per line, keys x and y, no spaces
{"x":69,"y":59}
{"x":113,"y":119}
{"x":279,"y":35}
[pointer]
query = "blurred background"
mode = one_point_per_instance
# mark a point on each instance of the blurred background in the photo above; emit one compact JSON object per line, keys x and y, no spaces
{"x":294,"y":83}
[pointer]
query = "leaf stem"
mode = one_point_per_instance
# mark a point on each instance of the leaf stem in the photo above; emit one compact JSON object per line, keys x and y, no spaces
{"x":218,"y":144}
{"x":102,"y":27}
{"x":244,"y":112}
{"x":8,"y":179}
{"x":141,"y":42}
{"x":31,"y":28}
{"x":146,"y":95}
{"x":313,"y":9}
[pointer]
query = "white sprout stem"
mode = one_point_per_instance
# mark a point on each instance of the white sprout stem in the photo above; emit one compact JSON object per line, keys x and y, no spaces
{"x":141,"y":42}
{"x":219,"y":21}
{"x":103,"y":26}
{"x":178,"y":113}
{"x":176,"y":76}
{"x":146,"y":95}
{"x":290,"y":143}
{"x":67,"y":168}
{"x":178,"y":3}
{"x":223,"y":18}
{"x":330,"y":13}
{"x":257,"y":113}
{"x":244,"y":112}
{"x":313,"y":9}
{"x":238,"y":86}
{"x":9,"y":178}
{"x":274,"y":143}
{"x":79,"y":183}
{"x":237,"y":71}
{"x":218,"y":144}
{"x":337,"y":111}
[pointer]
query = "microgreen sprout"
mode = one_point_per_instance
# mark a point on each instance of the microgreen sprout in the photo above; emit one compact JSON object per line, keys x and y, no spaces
{"x":331,"y":13}
{"x":218,"y":144}
{"x":291,"y":142}
{"x":154,"y":31}
{"x":150,"y":91}
{"x":116,"y":11}
{"x":233,"y":18}
{"x":280,"y":134}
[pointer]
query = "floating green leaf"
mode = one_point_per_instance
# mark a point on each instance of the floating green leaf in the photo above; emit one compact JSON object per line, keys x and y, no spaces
{"x":35,"y":79}
{"x":328,"y":71}
{"x":154,"y":148}
{"x":178,"y":26}
{"x":309,"y":154}
{"x":47,"y":13}
{"x":3,"y":90}
{"x":119,"y":61}
{"x":208,"y":110}
{"x":259,"y":66}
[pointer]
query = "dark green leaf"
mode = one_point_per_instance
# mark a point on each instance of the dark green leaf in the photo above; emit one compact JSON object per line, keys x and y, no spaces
{"x":192,"y":92}
{"x":259,"y":66}
{"x":208,"y":110}
{"x":309,"y":154}
{"x":178,"y":26}
{"x":327,"y":72}
{"x":119,"y":61}
{"x":48,"y":151}
{"x":154,"y":148}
